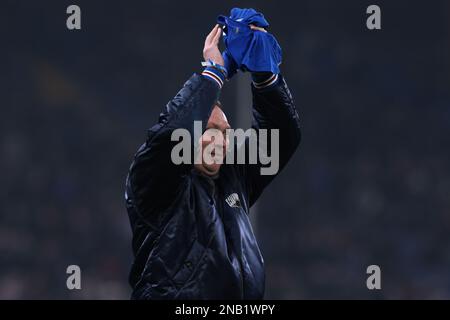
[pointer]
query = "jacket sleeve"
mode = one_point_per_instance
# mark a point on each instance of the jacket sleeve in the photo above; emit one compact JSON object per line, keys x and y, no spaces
{"x":153,"y":179}
{"x":273,"y":108}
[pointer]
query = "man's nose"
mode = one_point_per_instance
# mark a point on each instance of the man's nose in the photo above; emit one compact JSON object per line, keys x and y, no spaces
{"x":217,"y":140}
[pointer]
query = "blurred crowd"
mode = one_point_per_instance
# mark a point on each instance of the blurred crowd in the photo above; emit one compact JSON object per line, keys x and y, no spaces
{"x":370,"y":183}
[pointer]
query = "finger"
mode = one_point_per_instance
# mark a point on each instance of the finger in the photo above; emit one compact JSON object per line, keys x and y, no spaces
{"x":253,"y":27}
{"x":212,"y":33}
{"x":217,"y":36}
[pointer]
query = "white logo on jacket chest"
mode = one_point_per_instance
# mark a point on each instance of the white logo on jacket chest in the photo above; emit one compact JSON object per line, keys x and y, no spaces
{"x":233,"y":200}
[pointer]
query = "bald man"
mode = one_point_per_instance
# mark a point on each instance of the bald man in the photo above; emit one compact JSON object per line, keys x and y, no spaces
{"x":192,"y":238}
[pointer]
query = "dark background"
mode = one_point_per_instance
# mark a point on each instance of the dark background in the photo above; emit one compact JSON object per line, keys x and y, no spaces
{"x":370,"y":183}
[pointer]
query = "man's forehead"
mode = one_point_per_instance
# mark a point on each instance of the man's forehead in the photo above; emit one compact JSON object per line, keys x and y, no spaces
{"x":218,"y":118}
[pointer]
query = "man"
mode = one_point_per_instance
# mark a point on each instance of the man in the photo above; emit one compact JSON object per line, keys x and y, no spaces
{"x":192,"y":238}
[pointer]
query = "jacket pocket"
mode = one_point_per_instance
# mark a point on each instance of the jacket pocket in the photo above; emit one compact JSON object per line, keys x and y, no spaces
{"x":189,"y":265}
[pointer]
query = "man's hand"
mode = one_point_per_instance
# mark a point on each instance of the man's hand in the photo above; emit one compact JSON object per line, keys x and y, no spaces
{"x":211,"y":48}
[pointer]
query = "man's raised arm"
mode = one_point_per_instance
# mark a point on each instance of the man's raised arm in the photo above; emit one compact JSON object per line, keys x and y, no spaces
{"x":273,"y":108}
{"x":153,"y":178}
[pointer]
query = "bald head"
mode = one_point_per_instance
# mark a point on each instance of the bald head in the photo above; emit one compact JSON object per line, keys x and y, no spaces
{"x":218,"y":119}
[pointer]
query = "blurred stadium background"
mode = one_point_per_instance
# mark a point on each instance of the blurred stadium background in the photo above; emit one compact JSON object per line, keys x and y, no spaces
{"x":369,"y":185}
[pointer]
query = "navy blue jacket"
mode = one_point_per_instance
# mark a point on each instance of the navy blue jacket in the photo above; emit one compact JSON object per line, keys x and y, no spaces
{"x":192,"y":238}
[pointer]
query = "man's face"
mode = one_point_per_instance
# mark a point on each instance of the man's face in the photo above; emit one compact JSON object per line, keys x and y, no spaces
{"x":214,"y":143}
